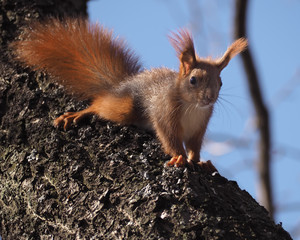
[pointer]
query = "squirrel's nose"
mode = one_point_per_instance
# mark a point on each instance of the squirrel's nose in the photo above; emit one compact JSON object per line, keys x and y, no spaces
{"x":208,"y":98}
{"x":206,"y":101}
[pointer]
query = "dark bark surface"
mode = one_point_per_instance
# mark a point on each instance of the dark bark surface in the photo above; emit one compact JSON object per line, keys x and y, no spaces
{"x":99,"y":180}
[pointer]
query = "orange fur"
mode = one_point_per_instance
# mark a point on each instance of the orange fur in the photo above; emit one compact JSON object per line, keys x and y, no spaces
{"x":108,"y":107}
{"x":116,"y":109}
{"x":204,"y":92}
{"x":89,"y":60}
{"x":235,"y":48}
{"x":85,"y":57}
{"x":184,"y":46}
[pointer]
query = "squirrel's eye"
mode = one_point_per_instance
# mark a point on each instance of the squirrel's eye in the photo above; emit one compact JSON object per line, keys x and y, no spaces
{"x":193,"y":80}
{"x":221,"y":83}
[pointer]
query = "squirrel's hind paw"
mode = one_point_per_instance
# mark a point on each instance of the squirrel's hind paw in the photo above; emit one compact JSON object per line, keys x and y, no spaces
{"x":68,"y":118}
{"x":65,"y":120}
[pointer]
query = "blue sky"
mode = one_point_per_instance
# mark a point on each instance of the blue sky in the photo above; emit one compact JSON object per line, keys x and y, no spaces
{"x":274,"y":37}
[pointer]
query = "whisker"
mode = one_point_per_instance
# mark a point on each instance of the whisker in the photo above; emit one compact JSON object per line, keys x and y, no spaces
{"x":233,"y":96}
{"x":222,"y":101}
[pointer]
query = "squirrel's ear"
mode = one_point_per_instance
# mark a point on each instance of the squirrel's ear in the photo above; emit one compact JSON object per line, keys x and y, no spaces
{"x":187,"y":62}
{"x":184,"y":46}
{"x":235,"y":48}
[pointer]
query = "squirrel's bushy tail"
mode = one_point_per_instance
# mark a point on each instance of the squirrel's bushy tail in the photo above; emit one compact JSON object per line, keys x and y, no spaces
{"x":85,"y":57}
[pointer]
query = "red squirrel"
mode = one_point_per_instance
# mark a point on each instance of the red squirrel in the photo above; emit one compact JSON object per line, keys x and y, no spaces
{"x":91,"y":62}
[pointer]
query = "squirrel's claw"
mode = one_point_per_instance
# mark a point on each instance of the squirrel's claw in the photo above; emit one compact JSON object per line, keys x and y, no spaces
{"x":177,"y":161}
{"x":71,"y":117}
{"x":180,"y":161}
{"x":67,"y":119}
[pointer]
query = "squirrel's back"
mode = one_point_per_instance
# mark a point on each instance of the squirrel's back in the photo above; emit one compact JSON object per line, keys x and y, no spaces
{"x":85,"y":57}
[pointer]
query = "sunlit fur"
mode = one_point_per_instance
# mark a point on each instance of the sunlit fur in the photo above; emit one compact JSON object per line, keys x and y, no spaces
{"x":85,"y":57}
{"x":94,"y":64}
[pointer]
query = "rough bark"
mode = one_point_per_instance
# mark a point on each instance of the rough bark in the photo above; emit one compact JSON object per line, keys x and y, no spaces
{"x":99,"y":180}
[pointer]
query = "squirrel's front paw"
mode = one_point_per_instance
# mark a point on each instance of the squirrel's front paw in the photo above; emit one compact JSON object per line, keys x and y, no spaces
{"x":177,"y":161}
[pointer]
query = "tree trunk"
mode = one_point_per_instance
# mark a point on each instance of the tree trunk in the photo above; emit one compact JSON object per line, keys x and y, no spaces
{"x":99,"y":180}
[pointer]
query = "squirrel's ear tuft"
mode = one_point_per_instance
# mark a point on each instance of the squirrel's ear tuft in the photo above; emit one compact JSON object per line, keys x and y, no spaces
{"x":235,"y":48}
{"x":184,"y":46}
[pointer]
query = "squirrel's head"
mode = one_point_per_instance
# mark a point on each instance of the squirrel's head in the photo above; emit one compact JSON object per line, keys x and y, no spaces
{"x":199,"y":79}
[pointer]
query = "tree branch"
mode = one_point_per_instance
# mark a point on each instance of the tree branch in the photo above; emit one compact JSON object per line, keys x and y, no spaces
{"x":262,"y":114}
